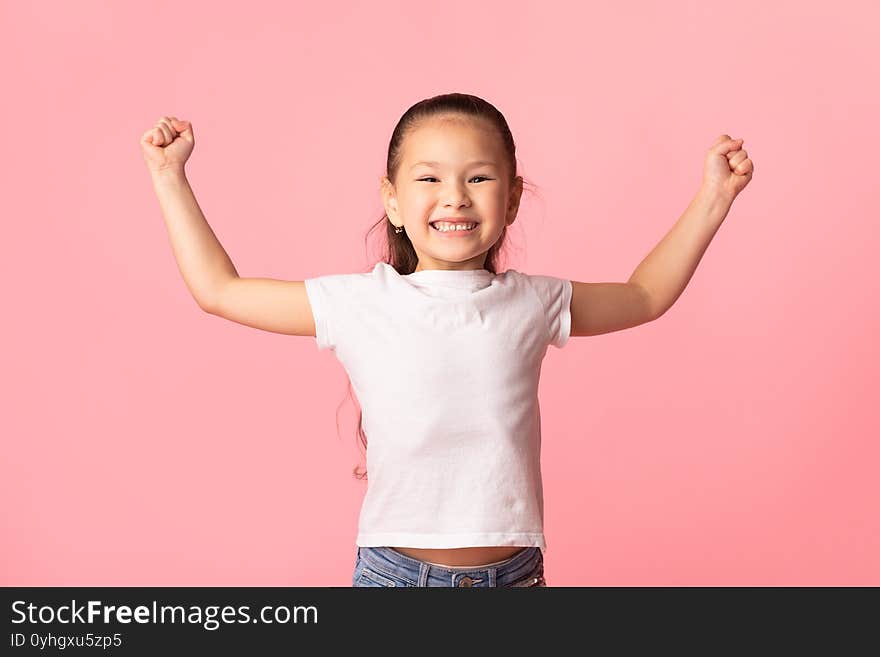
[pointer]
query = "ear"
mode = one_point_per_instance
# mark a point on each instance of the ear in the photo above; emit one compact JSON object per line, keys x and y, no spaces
{"x":389,"y":200}
{"x":516,"y":191}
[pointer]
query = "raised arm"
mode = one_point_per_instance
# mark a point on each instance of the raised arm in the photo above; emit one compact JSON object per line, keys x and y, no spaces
{"x":662,"y":276}
{"x":656,"y":283}
{"x":264,"y":303}
{"x":668,"y":268}
{"x":202,"y":261}
{"x":598,"y":308}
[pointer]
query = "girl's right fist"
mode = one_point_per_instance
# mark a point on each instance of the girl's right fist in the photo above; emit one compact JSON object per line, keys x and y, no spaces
{"x":168,"y":145}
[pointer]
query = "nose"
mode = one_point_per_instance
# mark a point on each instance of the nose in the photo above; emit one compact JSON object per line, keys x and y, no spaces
{"x":455,"y":196}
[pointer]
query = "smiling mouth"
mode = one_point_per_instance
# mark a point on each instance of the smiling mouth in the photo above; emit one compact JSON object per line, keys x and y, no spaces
{"x":451,"y":228}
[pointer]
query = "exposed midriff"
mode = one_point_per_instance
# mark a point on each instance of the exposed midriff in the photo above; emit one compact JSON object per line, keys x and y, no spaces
{"x":458,"y":557}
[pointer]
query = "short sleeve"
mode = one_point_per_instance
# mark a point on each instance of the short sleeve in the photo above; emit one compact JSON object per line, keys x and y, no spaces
{"x":555,"y":296}
{"x":329,"y":297}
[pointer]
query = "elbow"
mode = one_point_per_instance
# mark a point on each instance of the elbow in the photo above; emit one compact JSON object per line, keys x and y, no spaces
{"x":207,"y":300}
{"x":652,"y":310}
{"x":205,"y":304}
{"x":657,"y":312}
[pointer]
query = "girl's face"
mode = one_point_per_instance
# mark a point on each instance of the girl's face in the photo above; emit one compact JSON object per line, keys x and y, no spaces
{"x":452,"y":167}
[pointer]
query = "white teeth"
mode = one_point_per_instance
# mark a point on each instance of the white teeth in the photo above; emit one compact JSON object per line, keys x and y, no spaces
{"x":445,"y":227}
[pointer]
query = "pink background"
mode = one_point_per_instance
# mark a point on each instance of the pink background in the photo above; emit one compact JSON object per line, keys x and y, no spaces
{"x":731,"y":442}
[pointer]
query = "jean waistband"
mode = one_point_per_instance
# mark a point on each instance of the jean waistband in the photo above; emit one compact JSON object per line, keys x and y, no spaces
{"x":511,"y":564}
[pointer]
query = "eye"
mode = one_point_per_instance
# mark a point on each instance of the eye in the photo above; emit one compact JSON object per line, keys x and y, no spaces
{"x":433,"y":178}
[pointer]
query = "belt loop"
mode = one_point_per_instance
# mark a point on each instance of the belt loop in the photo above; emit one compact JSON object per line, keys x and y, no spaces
{"x":423,"y":574}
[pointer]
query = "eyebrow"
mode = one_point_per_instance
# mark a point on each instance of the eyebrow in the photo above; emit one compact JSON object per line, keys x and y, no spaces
{"x":472,"y":164}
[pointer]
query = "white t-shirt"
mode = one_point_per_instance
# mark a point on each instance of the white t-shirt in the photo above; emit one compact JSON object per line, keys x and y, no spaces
{"x":445,"y":366}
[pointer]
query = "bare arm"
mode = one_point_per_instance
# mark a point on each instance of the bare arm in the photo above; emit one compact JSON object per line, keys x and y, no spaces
{"x":263,"y":303}
{"x":202,"y":261}
{"x":598,"y":308}
{"x":657,"y":282}
{"x":667,"y":269}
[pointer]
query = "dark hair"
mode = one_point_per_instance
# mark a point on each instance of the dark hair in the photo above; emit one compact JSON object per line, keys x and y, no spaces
{"x":399,"y":251}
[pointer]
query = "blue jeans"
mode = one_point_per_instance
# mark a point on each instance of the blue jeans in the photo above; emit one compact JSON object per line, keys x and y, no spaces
{"x":385,"y":566}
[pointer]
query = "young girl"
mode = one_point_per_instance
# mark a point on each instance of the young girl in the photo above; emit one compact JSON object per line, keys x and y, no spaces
{"x":442,"y":350}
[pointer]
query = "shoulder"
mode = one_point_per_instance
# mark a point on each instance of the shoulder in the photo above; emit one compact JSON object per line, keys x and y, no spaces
{"x":544,"y":285}
{"x":345,"y":287}
{"x":349,"y":278}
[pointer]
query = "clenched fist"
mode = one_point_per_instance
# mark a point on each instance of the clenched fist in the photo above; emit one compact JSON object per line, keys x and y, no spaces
{"x":728,"y":167}
{"x":168,"y":145}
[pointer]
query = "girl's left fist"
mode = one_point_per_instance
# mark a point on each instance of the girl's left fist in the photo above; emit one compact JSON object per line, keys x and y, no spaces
{"x":728,"y":168}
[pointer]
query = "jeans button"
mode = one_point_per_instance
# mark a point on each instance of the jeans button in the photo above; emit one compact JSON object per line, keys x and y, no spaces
{"x":466,"y":581}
